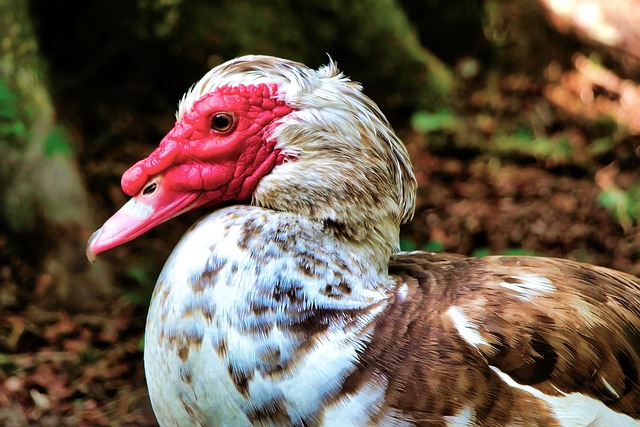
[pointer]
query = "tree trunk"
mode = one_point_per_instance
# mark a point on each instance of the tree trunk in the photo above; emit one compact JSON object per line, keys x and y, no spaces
{"x":45,"y":215}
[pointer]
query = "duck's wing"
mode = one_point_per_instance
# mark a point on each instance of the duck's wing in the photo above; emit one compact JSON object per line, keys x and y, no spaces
{"x":506,"y":341}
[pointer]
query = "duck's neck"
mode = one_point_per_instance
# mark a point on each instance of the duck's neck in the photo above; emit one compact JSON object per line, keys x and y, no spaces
{"x":269,"y":266}
{"x":348,"y":171}
{"x":362,"y":221}
{"x":256,"y":274}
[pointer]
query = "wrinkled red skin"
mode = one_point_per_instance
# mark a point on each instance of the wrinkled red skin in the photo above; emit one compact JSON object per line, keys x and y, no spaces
{"x":196,"y":165}
{"x":227,"y":166}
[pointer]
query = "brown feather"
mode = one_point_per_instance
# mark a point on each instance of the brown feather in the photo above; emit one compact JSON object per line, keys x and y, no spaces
{"x":568,"y":340}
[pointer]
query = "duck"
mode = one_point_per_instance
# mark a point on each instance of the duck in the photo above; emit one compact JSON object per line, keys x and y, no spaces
{"x":290,"y":303}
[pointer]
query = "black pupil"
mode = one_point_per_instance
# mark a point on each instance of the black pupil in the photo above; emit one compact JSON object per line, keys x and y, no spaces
{"x":149,"y":189}
{"x":221,"y":122}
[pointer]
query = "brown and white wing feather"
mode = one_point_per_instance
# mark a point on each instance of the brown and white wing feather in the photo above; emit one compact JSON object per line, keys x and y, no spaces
{"x":507,"y":341}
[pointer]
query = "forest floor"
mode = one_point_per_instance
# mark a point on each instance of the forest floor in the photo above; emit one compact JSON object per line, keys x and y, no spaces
{"x":486,"y":186}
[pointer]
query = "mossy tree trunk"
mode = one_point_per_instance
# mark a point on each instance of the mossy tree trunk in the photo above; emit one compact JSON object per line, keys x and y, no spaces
{"x":45,"y":210}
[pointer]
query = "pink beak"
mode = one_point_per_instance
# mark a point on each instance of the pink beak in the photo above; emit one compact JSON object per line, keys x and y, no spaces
{"x":140,"y":214}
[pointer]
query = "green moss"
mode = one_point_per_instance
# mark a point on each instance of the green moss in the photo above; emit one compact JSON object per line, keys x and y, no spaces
{"x":57,"y":142}
{"x":11,"y":127}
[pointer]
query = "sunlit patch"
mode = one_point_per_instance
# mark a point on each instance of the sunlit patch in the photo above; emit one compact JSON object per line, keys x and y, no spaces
{"x":528,"y":285}
{"x":356,"y":408}
{"x":466,"y":417}
{"x":574,"y":409}
{"x":467,"y":330}
{"x":139,"y":210}
{"x":610,"y":388}
{"x":403,"y":291}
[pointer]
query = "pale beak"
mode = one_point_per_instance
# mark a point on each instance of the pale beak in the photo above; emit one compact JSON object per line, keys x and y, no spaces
{"x":140,"y":214}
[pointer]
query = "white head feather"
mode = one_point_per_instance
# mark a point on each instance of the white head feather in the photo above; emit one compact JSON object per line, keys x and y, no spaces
{"x":346,"y":152}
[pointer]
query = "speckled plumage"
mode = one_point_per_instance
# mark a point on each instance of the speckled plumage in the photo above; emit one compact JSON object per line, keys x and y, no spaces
{"x":298,"y":310}
{"x":272,"y":317}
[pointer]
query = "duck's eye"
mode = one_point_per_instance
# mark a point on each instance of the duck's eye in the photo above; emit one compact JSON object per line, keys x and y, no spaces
{"x":150,"y":189}
{"x":222,"y":122}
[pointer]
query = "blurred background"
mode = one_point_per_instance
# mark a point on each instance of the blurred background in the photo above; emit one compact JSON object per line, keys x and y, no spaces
{"x":521,"y":117}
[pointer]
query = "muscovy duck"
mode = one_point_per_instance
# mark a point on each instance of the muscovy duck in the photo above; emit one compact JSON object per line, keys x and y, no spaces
{"x":297,"y":308}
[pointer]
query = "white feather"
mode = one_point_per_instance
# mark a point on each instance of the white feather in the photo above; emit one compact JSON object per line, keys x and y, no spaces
{"x":467,"y":329}
{"x":575,"y":409}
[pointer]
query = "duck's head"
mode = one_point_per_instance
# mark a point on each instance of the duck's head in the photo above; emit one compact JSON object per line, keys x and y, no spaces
{"x":282,"y":136}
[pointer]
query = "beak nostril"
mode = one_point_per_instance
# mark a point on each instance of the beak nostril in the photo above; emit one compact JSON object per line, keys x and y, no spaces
{"x":149,"y":189}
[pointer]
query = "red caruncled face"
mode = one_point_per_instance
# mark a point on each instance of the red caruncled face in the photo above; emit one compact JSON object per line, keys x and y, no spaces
{"x":218,"y":151}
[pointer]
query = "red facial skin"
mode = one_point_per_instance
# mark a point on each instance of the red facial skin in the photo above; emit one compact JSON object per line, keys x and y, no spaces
{"x":197,"y":165}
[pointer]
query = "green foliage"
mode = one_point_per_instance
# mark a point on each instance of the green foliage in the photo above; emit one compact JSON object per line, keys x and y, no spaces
{"x":8,"y":102}
{"x":480,"y":252}
{"x":519,"y":252}
{"x":89,"y":356}
{"x":159,"y":18}
{"x":7,"y":365}
{"x":143,"y":281}
{"x":524,"y":142}
{"x":624,"y":205}
{"x":140,"y":275}
{"x":507,"y":139}
{"x":57,"y":142}
{"x":602,"y":146}
{"x":11,"y":127}
{"x":424,"y":122}
{"x":409,"y":245}
{"x":433,"y":246}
